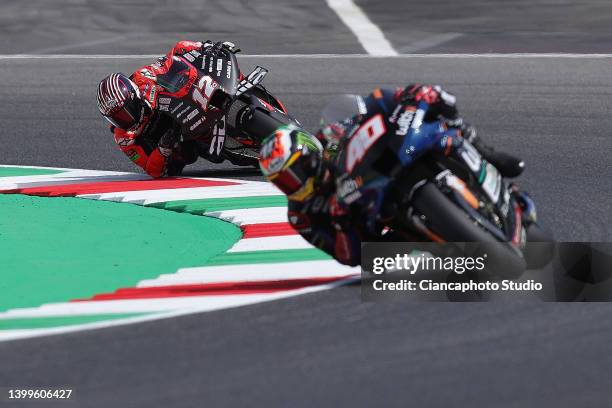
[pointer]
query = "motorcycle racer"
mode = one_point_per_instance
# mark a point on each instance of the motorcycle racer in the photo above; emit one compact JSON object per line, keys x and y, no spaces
{"x":301,"y":165}
{"x":442,"y":105}
{"x":293,"y":161}
{"x":149,"y":139}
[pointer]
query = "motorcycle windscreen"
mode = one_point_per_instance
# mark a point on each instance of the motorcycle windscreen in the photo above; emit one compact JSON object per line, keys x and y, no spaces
{"x":125,"y":118}
{"x":222,"y":66}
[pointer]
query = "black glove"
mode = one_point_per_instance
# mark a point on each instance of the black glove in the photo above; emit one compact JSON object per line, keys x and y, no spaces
{"x":168,"y":142}
{"x":468,"y":132}
{"x":230,"y":46}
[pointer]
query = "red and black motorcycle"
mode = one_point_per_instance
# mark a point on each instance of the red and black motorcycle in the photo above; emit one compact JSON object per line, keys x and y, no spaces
{"x":214,"y":104}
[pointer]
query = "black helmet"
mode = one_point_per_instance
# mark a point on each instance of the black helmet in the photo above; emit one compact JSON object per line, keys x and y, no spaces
{"x":120,"y":101}
{"x":290,"y":158}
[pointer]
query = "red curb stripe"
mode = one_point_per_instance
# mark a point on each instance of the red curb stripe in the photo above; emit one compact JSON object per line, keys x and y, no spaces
{"x":212,"y":289}
{"x":70,"y":190}
{"x":274,"y":229}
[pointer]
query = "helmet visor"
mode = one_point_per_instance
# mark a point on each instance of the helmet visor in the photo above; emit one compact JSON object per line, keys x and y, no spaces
{"x":288,"y":181}
{"x":127,"y":117}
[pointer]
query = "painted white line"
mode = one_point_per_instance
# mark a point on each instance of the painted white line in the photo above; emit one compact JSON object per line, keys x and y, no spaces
{"x":77,"y":56}
{"x":323,"y":56}
{"x":270,"y":243}
{"x":7,"y":335}
{"x":429,"y":42}
{"x":19,"y":166}
{"x":371,"y":38}
{"x":77,"y":172}
{"x":252,"y":215}
{"x":252,"y":273}
{"x":155,"y":305}
{"x":8,"y":183}
{"x":192,"y":193}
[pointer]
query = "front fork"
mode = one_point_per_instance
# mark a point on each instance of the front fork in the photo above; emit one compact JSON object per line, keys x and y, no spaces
{"x":529,"y":212}
{"x":490,"y":181}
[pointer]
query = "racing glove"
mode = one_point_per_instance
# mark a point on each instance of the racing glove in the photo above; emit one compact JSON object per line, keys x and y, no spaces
{"x":228,"y":45}
{"x":417,"y":92}
{"x":168,"y":142}
{"x":441,"y":103}
{"x":468,"y":131}
{"x":347,"y":248}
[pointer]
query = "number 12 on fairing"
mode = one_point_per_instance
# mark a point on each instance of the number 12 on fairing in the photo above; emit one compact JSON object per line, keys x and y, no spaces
{"x":204,"y":90}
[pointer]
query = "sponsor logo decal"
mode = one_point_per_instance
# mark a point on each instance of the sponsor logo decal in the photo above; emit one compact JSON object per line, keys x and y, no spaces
{"x":148,"y":74}
{"x":196,"y":124}
{"x":404,"y":121}
{"x":393,"y":117}
{"x":177,"y":108}
{"x":219,"y":66}
{"x":183,"y":111}
{"x":348,"y":190}
{"x":192,"y":114}
{"x":153,"y":94}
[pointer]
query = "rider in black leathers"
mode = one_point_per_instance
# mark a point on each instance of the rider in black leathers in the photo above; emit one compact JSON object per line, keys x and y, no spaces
{"x":296,"y":162}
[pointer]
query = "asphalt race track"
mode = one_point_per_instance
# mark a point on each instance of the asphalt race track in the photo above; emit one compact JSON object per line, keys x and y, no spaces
{"x":304,"y":26}
{"x":329,"y":348}
{"x":553,"y":112}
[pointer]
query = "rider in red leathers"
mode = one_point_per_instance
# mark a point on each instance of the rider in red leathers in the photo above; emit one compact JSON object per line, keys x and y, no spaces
{"x":149,"y":139}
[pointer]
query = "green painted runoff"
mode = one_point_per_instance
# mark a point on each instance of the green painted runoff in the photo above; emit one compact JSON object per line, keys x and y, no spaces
{"x":58,"y":249}
{"x":24,"y":171}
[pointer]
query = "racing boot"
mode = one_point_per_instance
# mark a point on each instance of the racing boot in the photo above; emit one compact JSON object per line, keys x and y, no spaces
{"x":508,"y":165}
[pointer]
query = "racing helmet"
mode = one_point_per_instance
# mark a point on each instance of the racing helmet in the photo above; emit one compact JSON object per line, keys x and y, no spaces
{"x":290,"y":158}
{"x":120,"y":102}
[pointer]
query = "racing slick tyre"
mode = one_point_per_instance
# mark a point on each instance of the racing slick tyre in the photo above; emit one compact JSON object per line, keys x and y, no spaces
{"x":453,"y":224}
{"x":539,"y":254}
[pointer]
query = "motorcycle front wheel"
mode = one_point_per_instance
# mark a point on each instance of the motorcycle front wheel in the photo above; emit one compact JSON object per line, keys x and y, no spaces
{"x":452,"y":224}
